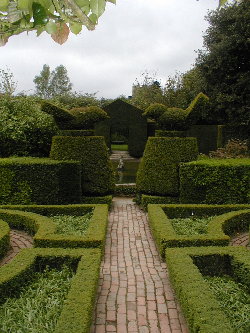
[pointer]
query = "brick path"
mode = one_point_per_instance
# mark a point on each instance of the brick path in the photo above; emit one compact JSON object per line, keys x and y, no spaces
{"x":18,"y":240}
{"x":241,"y":240}
{"x":134,"y":291}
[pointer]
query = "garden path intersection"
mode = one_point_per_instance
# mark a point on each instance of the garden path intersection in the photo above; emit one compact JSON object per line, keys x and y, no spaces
{"x":134,"y":292}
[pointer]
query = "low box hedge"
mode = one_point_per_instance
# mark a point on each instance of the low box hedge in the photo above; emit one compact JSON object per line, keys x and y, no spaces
{"x":106,"y":199}
{"x":27,"y":180}
{"x":32,"y":219}
{"x":4,"y":237}
{"x":215,"y":181}
{"x":186,"y":268}
{"x":234,"y":218}
{"x":154,"y":199}
{"x":77,"y":312}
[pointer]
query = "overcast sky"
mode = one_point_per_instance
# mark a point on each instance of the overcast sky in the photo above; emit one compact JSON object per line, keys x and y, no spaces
{"x":134,"y":36}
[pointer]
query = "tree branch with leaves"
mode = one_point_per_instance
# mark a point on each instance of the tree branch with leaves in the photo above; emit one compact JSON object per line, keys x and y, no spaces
{"x":55,"y":17}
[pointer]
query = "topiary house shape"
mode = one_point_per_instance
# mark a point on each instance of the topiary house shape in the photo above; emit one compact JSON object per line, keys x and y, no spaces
{"x":231,"y":219}
{"x":186,"y":268}
{"x":77,"y":313}
{"x":44,"y":230}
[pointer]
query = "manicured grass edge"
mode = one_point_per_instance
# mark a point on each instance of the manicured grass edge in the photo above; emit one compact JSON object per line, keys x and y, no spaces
{"x":76,"y":315}
{"x":4,"y":237}
{"x":199,"y":305}
{"x":219,"y":228}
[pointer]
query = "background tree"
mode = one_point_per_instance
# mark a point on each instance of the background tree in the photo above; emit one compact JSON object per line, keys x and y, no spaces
{"x":52,"y":84}
{"x":225,"y":62}
{"x":7,"y":83}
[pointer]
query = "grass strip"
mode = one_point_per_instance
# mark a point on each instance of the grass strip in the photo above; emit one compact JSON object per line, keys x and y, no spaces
{"x":191,"y":226}
{"x":234,"y":300}
{"x":38,"y":306}
{"x":72,"y":225}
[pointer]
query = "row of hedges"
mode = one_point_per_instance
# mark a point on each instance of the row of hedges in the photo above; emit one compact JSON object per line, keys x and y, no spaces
{"x":218,"y":232}
{"x":186,"y":268}
{"x":39,"y":180}
{"x":97,"y":176}
{"x":76,"y":315}
{"x":215,"y":181}
{"x":44,"y":229}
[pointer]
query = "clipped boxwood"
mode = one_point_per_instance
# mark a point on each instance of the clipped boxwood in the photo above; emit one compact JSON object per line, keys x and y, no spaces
{"x":76,"y":133}
{"x":39,"y":181}
{"x":158,"y":171}
{"x":44,"y":229}
{"x":92,"y":153}
{"x":221,"y":181}
{"x":125,"y":190}
{"x":153,"y":199}
{"x":186,"y":266}
{"x":77,"y":313}
{"x":234,"y":218}
{"x":62,"y":116}
{"x":4,"y":237}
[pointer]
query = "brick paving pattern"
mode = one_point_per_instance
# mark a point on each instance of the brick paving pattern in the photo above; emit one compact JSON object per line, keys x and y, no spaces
{"x":134,"y":290}
{"x":241,"y":240}
{"x":18,"y":240}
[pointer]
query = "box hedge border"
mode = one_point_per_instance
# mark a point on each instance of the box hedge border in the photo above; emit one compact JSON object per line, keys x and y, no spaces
{"x":4,"y":237}
{"x":234,"y":218}
{"x":77,"y":312}
{"x":200,"y":307}
{"x":44,"y":230}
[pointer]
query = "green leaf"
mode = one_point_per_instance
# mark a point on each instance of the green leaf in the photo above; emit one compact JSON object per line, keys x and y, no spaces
{"x":93,"y":18}
{"x":76,"y":28}
{"x":4,"y":5}
{"x":51,"y":27}
{"x":39,"y":14}
{"x":97,"y":7}
{"x":82,"y":3}
{"x":24,"y":5}
{"x":112,"y":1}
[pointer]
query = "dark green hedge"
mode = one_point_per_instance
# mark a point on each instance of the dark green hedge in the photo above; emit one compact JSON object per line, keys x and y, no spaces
{"x":219,"y":228}
{"x":92,"y":153}
{"x":126,"y":190}
{"x":206,"y":137}
{"x":4,"y":237}
{"x":158,"y":171}
{"x":44,"y":229}
{"x":228,"y":132}
{"x":77,"y":312}
{"x":107,"y":199}
{"x":76,"y":133}
{"x":62,"y":117}
{"x":39,"y":181}
{"x":201,"y":309}
{"x":215,"y":181}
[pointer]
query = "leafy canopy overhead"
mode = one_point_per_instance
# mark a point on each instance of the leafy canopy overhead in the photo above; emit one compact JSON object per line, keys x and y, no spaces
{"x":56,"y":17}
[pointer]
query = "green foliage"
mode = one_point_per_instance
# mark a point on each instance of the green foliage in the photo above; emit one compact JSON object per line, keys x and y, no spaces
{"x":55,"y":17}
{"x":186,"y":266}
{"x":4,"y":238}
{"x":7,"y":83}
{"x":176,"y":118}
{"x":24,"y":129}
{"x":72,"y":225}
{"x":162,"y":220}
{"x":40,"y":181}
{"x":125,"y":190}
{"x":42,"y":300}
{"x":87,"y":117}
{"x":215,"y":181}
{"x":191,"y":225}
{"x":224,"y":64}
{"x":234,"y":298}
{"x":92,"y":153}
{"x":36,"y":220}
{"x":52,"y":84}
{"x":153,"y":199}
{"x":158,"y":171}
{"x":77,"y":312}
{"x":76,"y":133}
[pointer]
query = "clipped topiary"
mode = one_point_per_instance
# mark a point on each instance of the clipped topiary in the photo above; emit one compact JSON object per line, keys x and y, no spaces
{"x":177,"y":119}
{"x":87,"y":117}
{"x":92,"y":152}
{"x":60,"y":114}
